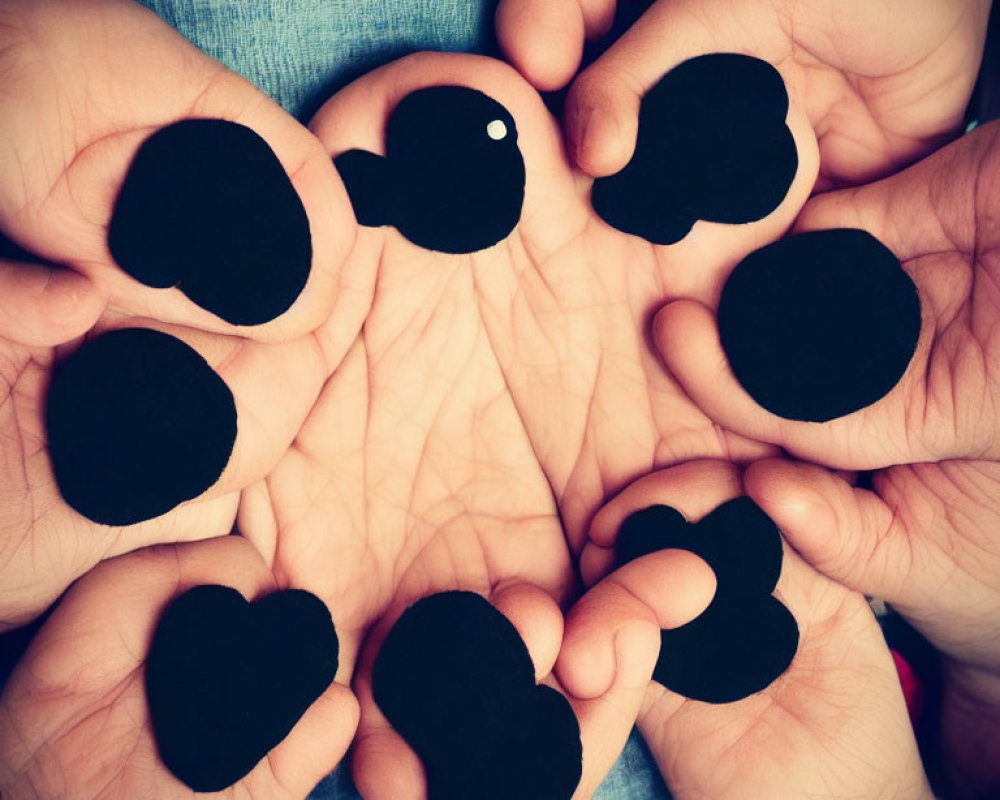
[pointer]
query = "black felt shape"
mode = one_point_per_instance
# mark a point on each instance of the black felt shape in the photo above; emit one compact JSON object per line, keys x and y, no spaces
{"x":226,"y":680}
{"x":206,"y":206}
{"x":712,"y":145}
{"x":819,"y":325}
{"x":746,"y":638}
{"x":455,"y":680}
{"x":445,"y":183}
{"x":137,"y":423}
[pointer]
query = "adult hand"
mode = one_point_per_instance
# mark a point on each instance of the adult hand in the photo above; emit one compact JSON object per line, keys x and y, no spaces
{"x":74,"y":720}
{"x":924,"y":539}
{"x":834,"y":724}
{"x":935,"y":217}
{"x":881,"y":83}
{"x":84,"y":86}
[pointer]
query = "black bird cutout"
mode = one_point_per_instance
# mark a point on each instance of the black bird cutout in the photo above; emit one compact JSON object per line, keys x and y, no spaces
{"x":746,"y":638}
{"x":453,"y":177}
{"x":712,"y":145}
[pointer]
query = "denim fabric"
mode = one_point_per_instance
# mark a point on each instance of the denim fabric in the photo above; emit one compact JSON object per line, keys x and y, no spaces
{"x":633,"y":777}
{"x":300,"y":52}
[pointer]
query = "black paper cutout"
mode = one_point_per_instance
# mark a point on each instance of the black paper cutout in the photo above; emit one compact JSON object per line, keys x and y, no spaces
{"x":226,"y":680}
{"x":819,"y":325}
{"x":206,"y":206}
{"x":746,"y":638}
{"x":456,"y":681}
{"x":453,"y":177}
{"x":137,"y":423}
{"x":712,"y":145}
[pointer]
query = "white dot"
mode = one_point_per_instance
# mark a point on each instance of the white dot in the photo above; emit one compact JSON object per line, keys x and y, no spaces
{"x":496,"y":129}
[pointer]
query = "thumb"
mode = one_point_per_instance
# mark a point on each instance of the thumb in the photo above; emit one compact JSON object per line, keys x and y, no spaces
{"x":543,"y":39}
{"x":849,"y":534}
{"x":45,"y":306}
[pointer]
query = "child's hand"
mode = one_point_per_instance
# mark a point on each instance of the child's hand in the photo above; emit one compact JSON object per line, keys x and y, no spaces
{"x":834,"y":724}
{"x":936,"y":217}
{"x":74,"y":720}
{"x":925,"y":540}
{"x":882,"y":82}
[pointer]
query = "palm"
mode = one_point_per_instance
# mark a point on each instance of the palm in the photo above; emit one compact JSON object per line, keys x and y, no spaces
{"x":943,"y":407}
{"x":834,"y":724}
{"x":46,"y":544}
{"x":73,"y":718}
{"x":948,"y":584}
{"x":563,"y":306}
{"x":84,"y":85}
{"x":805,"y":729}
{"x":881,"y":83}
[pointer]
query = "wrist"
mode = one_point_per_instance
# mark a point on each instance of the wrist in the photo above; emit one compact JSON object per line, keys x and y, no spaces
{"x":970,"y":730}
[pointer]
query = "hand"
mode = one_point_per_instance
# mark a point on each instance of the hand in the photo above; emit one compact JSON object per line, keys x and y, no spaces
{"x":74,"y":720}
{"x":84,"y":85}
{"x":925,"y":541}
{"x":882,"y":83}
{"x":480,"y":386}
{"x":834,"y":724}
{"x":934,"y":218}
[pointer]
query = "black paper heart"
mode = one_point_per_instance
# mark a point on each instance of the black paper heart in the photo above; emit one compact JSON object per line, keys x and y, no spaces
{"x":746,"y":638}
{"x":226,"y":680}
{"x":207,"y":206}
{"x":819,"y":325}
{"x":712,"y":145}
{"x":453,"y":176}
{"x":456,"y":681}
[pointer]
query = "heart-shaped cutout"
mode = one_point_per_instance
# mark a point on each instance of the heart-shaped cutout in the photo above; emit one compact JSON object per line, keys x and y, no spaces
{"x":226,"y":680}
{"x":746,"y":638}
{"x":712,"y":145}
{"x":456,"y":681}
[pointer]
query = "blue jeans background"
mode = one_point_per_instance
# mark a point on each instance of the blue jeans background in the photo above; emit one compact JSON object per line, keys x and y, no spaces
{"x":300,"y":52}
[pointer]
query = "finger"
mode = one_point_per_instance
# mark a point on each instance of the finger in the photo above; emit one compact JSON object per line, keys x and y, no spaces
{"x":384,"y":766}
{"x":603,"y":104}
{"x":693,"y":488}
{"x":538,"y":620}
{"x":269,"y":411}
{"x":612,"y":644}
{"x":687,"y":337}
{"x":847,"y":533}
{"x":119,"y":602}
{"x":934,"y":191}
{"x":615,"y":627}
{"x":317,"y":743}
{"x":67,"y":154}
{"x":46,"y":306}
{"x":542,"y":40}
